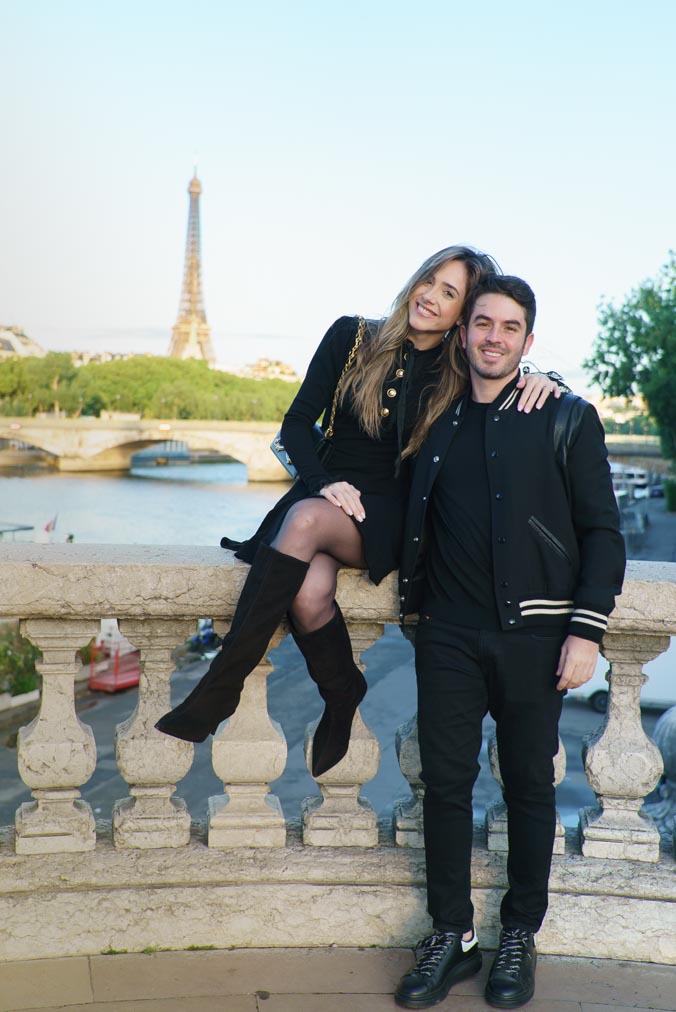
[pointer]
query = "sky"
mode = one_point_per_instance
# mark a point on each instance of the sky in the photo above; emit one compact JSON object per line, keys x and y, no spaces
{"x":338,"y":146}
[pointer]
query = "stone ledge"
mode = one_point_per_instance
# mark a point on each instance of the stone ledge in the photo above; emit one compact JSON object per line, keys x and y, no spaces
{"x":181,"y":581}
{"x":301,"y":896}
{"x":150,"y":581}
{"x":199,"y":865}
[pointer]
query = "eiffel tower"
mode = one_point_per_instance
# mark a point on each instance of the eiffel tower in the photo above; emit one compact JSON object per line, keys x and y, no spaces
{"x":191,"y":336}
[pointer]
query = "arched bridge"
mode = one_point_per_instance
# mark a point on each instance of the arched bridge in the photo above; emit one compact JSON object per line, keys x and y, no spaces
{"x":98,"y":444}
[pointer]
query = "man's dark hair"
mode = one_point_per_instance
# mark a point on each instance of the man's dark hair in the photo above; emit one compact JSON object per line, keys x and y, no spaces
{"x":504,"y":284}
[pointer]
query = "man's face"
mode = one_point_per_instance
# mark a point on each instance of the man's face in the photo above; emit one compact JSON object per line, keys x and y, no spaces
{"x":495,"y":338}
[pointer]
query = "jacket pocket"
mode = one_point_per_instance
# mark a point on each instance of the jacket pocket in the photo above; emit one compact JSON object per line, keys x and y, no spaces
{"x":549,"y":539}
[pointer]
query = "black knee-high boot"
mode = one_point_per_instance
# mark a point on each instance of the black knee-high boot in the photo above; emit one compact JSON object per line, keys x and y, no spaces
{"x":329,"y":658}
{"x":271,"y":585}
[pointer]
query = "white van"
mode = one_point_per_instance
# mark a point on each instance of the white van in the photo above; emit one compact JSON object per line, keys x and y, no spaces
{"x":658,"y":691}
{"x":629,"y":482}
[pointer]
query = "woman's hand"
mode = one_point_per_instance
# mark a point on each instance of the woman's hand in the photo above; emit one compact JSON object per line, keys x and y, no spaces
{"x":346,"y":497}
{"x":537,"y":387}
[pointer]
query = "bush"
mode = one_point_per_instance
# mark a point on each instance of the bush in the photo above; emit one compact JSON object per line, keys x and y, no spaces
{"x":670,"y":495}
{"x":17,"y":663}
{"x":85,"y":653}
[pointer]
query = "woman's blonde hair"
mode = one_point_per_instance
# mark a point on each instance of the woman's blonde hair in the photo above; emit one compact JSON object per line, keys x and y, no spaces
{"x":380,"y":355}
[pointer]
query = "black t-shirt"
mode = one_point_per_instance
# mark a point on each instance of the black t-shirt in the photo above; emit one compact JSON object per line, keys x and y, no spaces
{"x":459,"y":569}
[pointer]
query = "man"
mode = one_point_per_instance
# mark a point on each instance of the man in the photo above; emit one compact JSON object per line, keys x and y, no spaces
{"x":523,"y":558}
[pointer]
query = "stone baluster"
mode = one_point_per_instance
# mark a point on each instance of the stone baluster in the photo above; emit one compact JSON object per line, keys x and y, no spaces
{"x":407,"y":813}
{"x":56,"y":751}
{"x":340,"y":817}
{"x":151,"y":762}
{"x":622,"y":763}
{"x":248,"y":754}
{"x":496,"y":814}
{"x":663,"y":808}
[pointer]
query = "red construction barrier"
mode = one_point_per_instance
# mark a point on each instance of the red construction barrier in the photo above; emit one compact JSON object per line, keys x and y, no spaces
{"x":116,"y":671}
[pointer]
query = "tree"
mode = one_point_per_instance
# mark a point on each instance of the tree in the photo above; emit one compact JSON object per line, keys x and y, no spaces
{"x":44,"y":377}
{"x":635,"y":350}
{"x":18,"y":673}
{"x":151,"y":386}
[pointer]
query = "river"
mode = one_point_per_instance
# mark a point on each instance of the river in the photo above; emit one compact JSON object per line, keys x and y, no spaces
{"x":186,"y":504}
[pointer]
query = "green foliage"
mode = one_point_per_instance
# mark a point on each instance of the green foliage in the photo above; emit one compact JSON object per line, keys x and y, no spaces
{"x":670,"y":495}
{"x":17,"y":663}
{"x":12,"y":378}
{"x":151,"y":386}
{"x":85,"y":653}
{"x":638,"y":425}
{"x":635,"y":350}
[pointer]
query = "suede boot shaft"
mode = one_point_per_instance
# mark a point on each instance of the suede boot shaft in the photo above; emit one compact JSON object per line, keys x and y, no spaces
{"x":330,"y":662}
{"x":271,"y":585}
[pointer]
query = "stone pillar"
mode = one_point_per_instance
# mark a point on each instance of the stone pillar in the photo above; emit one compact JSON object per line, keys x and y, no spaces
{"x":663,"y":811}
{"x":151,"y":762}
{"x":496,"y":814}
{"x":407,"y":813}
{"x":248,"y":754}
{"x":340,"y":817}
{"x":56,"y":751}
{"x":622,"y":763}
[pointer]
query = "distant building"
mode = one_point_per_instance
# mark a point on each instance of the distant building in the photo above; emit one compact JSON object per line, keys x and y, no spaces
{"x":266,"y":368}
{"x":627,"y":415}
{"x":14,"y":343}
{"x":85,"y":357}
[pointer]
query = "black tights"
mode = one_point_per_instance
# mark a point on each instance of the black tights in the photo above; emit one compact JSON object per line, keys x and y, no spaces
{"x":320,"y":533}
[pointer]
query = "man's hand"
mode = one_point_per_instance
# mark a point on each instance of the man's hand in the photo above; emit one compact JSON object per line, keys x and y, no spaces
{"x":576,"y":663}
{"x":346,"y":497}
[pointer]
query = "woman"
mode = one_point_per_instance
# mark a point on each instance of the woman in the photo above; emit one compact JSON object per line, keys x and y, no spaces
{"x":346,"y":510}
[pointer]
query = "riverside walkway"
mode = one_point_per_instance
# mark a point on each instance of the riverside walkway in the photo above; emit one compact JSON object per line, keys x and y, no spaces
{"x":307,"y":980}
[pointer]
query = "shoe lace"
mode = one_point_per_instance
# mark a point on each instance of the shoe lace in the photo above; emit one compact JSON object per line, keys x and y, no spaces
{"x":434,"y":948}
{"x":513,"y":949}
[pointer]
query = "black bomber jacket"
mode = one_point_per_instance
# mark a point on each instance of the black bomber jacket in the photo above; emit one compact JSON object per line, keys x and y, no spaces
{"x":558,"y":554}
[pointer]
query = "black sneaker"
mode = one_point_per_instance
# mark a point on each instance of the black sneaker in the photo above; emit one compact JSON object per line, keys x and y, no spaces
{"x":444,"y":960}
{"x":511,"y":981}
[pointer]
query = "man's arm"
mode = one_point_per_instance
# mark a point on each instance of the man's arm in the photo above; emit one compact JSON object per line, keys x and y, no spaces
{"x":602,"y":552}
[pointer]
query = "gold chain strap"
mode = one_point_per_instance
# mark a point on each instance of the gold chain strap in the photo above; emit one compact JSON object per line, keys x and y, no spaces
{"x":328,"y":432}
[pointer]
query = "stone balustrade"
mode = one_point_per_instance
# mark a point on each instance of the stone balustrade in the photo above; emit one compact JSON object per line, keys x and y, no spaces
{"x":244,"y":873}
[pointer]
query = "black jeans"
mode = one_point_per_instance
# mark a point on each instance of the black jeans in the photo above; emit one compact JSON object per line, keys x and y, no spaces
{"x":462,"y":674}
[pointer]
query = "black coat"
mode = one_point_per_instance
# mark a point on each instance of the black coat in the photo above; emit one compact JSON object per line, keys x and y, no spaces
{"x":367,"y":463}
{"x":558,"y":554}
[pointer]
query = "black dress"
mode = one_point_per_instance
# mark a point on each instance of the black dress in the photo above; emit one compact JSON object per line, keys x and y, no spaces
{"x":371,"y":465}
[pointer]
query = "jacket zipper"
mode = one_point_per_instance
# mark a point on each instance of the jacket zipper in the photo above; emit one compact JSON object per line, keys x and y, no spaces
{"x":549,"y":538}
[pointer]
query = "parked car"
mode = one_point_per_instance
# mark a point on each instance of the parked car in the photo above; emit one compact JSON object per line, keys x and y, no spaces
{"x":658,"y":691}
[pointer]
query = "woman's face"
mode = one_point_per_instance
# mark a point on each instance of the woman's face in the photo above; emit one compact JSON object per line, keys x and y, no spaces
{"x":436,"y":304}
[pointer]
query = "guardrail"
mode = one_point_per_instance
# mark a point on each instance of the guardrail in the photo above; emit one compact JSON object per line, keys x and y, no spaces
{"x":244,"y":874}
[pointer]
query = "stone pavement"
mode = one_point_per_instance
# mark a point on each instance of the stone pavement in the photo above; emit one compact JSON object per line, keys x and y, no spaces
{"x":306,"y":980}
